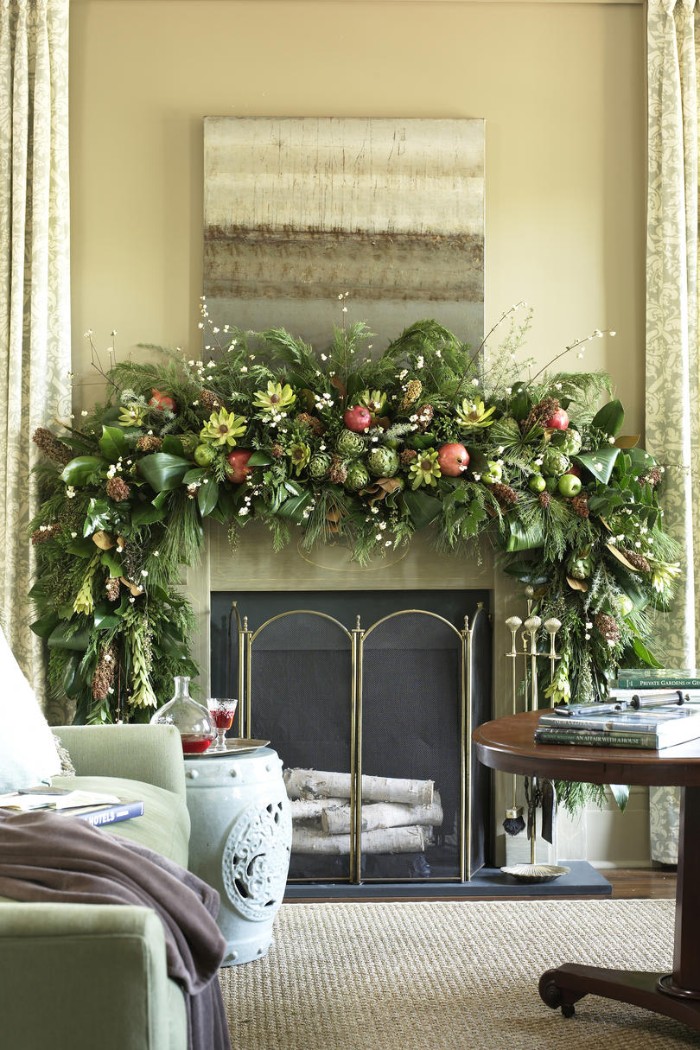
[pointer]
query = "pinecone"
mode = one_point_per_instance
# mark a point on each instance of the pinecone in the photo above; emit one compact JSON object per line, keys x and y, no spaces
{"x":277,"y":450}
{"x":545,"y":498}
{"x":505,"y":495}
{"x":337,"y":472}
{"x":406,"y":456}
{"x":112,"y":588}
{"x":51,"y":446}
{"x":103,"y":678}
{"x":118,"y":490}
{"x":44,"y":533}
{"x":414,"y":388}
{"x":652,"y":477}
{"x":315,"y":425}
{"x":149,"y":443}
{"x":539,"y":414}
{"x":580,"y":505}
{"x":425,"y":416}
{"x":638,"y":560}
{"x":209,"y":400}
{"x":607,"y":626}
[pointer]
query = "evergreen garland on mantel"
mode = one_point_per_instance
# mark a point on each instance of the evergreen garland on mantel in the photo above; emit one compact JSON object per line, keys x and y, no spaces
{"x":344,"y":447}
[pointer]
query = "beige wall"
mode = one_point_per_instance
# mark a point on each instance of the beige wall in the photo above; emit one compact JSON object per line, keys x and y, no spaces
{"x":561,"y":87}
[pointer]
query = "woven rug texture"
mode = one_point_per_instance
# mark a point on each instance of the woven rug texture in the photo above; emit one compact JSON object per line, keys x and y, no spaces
{"x":448,"y":976}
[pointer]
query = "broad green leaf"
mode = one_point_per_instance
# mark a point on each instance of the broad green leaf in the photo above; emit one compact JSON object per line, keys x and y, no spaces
{"x":260,"y":459}
{"x":105,"y":618}
{"x":81,"y":548}
{"x":44,"y":626}
{"x":609,"y":418}
{"x":621,"y":794}
{"x":113,"y":443}
{"x":527,"y":571}
{"x":81,"y":469}
{"x":62,"y":638}
{"x":421,"y":507}
{"x":600,"y":463}
{"x":146,"y":514}
{"x":293,"y":507}
{"x":207,"y":497}
{"x":520,"y":403}
{"x":71,"y":681}
{"x":160,"y":500}
{"x":173,"y":445}
{"x":194,"y":475}
{"x":112,"y":563}
{"x":645,"y":654}
{"x":163,"y":471}
{"x":521,"y":538}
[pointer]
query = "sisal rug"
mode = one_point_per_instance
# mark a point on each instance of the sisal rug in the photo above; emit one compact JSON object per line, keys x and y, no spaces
{"x":448,"y":976}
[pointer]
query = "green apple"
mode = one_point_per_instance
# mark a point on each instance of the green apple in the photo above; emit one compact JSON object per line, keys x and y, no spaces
{"x":537,"y":483}
{"x":204,"y":455}
{"x":569,"y":485}
{"x":493,"y":474}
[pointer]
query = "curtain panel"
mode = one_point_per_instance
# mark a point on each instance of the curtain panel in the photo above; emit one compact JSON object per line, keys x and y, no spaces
{"x":672,"y":355}
{"x":34,"y":281}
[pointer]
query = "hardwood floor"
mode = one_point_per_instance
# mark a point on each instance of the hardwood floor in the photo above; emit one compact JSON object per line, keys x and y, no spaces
{"x":657,"y":883}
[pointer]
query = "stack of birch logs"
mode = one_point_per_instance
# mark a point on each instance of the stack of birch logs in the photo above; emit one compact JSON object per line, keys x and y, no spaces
{"x":398,"y":816}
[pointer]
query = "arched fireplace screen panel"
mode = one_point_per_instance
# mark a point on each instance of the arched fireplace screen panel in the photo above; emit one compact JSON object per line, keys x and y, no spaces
{"x":393,"y":705}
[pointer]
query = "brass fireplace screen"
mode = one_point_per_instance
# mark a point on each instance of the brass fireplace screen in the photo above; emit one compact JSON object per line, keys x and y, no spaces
{"x":373,"y":726}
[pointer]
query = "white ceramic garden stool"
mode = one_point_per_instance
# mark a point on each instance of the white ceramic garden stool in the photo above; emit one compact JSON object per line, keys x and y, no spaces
{"x":240,"y":843}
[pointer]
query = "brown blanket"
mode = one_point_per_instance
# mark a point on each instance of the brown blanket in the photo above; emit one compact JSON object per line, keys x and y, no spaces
{"x":47,"y":857}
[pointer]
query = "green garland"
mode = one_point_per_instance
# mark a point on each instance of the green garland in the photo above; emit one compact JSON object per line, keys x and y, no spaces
{"x":345,"y":447}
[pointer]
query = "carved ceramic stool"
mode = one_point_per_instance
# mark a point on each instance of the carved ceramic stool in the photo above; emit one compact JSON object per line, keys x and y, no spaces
{"x":240,"y":843}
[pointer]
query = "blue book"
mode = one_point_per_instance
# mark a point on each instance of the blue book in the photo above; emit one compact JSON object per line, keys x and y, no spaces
{"x":113,"y":814}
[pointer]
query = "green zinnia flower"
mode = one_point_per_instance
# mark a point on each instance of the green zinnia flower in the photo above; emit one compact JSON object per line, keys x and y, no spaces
{"x":425,"y":469}
{"x":299,"y":453}
{"x":132,"y":415}
{"x":277,"y":399}
{"x":223,"y":428}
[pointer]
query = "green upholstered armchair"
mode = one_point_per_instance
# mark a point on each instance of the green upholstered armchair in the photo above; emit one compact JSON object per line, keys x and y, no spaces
{"x":79,"y":977}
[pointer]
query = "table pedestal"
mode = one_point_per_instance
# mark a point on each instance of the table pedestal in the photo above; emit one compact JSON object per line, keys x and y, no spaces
{"x":676,"y":994}
{"x":240,"y":843}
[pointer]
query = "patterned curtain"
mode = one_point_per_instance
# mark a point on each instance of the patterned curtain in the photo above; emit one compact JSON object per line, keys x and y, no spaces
{"x":34,"y":284}
{"x":672,"y":352}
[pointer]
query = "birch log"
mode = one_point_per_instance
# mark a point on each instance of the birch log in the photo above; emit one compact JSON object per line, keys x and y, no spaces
{"x":314,"y":808}
{"x":312,"y":783}
{"x":337,"y":820}
{"x":383,"y":840}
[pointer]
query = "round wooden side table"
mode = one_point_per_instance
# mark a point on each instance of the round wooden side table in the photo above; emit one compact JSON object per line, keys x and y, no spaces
{"x":241,"y":842}
{"x":508,"y":744}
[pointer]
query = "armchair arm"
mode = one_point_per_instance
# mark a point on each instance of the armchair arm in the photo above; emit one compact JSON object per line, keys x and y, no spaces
{"x":151,"y":753}
{"x":82,"y":976}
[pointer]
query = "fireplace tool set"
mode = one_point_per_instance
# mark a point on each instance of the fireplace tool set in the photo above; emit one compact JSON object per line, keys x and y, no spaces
{"x":538,"y":793}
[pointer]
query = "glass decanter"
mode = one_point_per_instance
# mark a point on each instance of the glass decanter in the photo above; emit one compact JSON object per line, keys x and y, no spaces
{"x":191,"y":719}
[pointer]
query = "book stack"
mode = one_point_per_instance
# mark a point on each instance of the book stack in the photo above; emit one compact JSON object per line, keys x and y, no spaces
{"x":95,"y":807}
{"x":650,"y":709}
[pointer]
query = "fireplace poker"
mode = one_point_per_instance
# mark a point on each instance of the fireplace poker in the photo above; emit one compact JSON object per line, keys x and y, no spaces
{"x":514,"y":822}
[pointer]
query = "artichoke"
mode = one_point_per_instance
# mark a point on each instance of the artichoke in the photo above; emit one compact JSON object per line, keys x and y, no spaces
{"x":349,"y":444}
{"x":568,"y":441}
{"x":580,"y":565}
{"x":554,"y":462}
{"x":383,"y":462}
{"x":357,"y":477}
{"x":319,"y":465}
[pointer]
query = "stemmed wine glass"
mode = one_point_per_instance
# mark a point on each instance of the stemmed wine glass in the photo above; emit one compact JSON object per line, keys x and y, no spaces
{"x":222,"y":712}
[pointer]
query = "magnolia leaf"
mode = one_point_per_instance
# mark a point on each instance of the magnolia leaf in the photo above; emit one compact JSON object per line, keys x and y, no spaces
{"x":134,"y":588}
{"x":576,"y":585}
{"x":621,"y":794}
{"x":173,"y":445}
{"x":626,"y":441}
{"x":81,"y":469}
{"x":522,"y":538}
{"x":339,"y":386}
{"x":207,"y":497}
{"x":81,"y":547}
{"x":146,"y":514}
{"x":112,"y":443}
{"x":103,"y":540}
{"x":105,"y":618}
{"x":112,"y":564}
{"x":44,"y":626}
{"x":609,"y":418}
{"x":63,"y":638}
{"x":293,"y":508}
{"x":194,"y":475}
{"x":600,"y":463}
{"x":645,"y":654}
{"x":421,"y":507}
{"x":71,"y":681}
{"x":382,"y":488}
{"x":163,"y":471}
{"x":620,"y":557}
{"x":259,"y":459}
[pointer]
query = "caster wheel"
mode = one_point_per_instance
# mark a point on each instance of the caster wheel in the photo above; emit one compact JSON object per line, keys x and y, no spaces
{"x":568,"y":1009}
{"x":550,"y":992}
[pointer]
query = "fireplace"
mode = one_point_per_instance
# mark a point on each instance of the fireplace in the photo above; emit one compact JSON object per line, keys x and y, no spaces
{"x":370,"y":705}
{"x":405,"y":655}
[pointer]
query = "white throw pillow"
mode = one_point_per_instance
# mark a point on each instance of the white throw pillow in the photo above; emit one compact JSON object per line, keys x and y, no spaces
{"x":28,"y":752}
